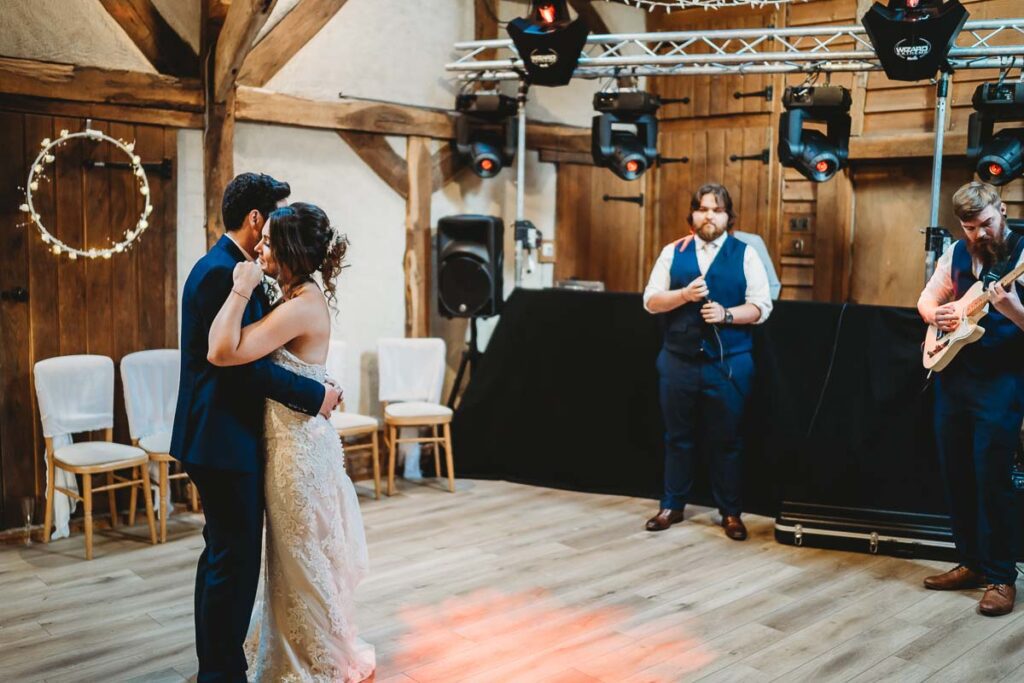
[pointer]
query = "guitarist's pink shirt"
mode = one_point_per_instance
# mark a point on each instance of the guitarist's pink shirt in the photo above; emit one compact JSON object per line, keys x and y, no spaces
{"x":939,"y":289}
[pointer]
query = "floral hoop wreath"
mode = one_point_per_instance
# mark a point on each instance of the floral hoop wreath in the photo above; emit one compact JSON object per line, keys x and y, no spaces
{"x":37,"y":172}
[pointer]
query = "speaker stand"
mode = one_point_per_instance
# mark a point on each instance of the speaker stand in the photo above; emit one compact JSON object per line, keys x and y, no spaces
{"x":470,"y":357}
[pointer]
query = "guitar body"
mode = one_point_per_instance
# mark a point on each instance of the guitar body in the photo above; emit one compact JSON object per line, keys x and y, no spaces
{"x":941,"y":347}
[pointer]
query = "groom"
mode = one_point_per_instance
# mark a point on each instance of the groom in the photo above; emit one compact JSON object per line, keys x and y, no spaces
{"x":218,"y":431}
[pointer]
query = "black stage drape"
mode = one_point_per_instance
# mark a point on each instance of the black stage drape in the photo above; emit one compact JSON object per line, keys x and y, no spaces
{"x":566,"y":396}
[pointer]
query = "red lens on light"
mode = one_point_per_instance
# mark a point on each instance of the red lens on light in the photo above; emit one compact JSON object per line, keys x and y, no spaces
{"x":632,"y":166}
{"x":486,"y":165}
{"x":995,"y":169}
{"x":821,"y":166}
{"x":547,"y":13}
{"x":913,"y":3}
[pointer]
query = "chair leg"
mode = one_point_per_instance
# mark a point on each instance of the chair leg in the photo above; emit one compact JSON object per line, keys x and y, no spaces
{"x":147,"y":497}
{"x":448,"y":457}
{"x":193,"y":494}
{"x":437,"y":453}
{"x":112,"y":501}
{"x":392,"y":447}
{"x":87,"y":503}
{"x":375,"y":454}
{"x":163,"y":501}
{"x":133,"y":502}
{"x":48,"y":515}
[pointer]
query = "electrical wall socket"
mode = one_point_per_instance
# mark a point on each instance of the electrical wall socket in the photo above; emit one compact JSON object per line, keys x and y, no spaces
{"x":547,"y":252}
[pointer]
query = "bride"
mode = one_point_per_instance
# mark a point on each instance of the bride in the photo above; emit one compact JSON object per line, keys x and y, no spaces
{"x":304,"y":630}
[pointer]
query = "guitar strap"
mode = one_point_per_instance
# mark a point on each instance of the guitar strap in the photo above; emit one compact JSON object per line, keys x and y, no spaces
{"x":996,"y":271}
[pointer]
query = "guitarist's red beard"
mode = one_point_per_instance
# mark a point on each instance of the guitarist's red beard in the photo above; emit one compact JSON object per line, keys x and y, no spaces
{"x":991,"y":250}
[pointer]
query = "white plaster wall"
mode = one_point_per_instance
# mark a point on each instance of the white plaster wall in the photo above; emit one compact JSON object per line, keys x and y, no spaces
{"x":392,"y":50}
{"x":191,"y":210}
{"x":184,"y":16}
{"x":68,"y":31}
{"x":322,"y":169}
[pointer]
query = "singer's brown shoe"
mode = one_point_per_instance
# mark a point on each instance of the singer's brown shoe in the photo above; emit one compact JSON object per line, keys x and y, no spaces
{"x":955,"y":579}
{"x":664,"y":519}
{"x":734,"y":528}
{"x":998,"y":600}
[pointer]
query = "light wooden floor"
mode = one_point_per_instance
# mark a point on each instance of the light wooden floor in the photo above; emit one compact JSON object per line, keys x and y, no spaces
{"x":503,"y":582}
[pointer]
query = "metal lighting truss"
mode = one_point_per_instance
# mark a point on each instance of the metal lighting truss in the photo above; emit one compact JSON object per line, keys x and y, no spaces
{"x":669,"y":5}
{"x":739,"y":51}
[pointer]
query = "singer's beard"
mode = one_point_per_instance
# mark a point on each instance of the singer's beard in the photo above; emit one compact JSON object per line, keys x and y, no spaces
{"x":991,"y":251}
{"x":709,"y":232}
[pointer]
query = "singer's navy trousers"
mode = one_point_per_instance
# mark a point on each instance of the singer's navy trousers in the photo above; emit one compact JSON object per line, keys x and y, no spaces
{"x":702,"y":403}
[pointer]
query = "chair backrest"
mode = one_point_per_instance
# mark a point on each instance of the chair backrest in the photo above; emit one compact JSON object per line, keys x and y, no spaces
{"x":150,"y":390}
{"x":75,"y":394}
{"x":337,"y":354}
{"x":411,"y":369}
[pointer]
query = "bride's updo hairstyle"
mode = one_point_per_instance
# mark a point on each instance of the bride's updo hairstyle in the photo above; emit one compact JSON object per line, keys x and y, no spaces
{"x":303,"y":242}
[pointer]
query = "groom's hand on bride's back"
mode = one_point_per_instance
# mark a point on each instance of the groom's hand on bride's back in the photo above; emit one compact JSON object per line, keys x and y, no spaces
{"x":332,"y":396}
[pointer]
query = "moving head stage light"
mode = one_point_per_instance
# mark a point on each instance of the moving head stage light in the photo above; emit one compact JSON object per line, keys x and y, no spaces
{"x":912,"y":37}
{"x":485,"y":132}
{"x":627,"y":153}
{"x":998,"y":158}
{"x":817,"y":157}
{"x":549,"y":42}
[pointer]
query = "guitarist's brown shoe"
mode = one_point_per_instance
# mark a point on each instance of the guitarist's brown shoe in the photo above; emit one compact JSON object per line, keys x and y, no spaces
{"x":998,"y":600}
{"x":664,"y":519}
{"x":955,"y":579}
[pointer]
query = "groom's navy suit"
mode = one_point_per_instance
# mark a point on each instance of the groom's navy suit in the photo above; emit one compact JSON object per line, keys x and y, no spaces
{"x":218,"y":431}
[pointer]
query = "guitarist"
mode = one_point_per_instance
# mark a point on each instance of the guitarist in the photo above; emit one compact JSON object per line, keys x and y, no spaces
{"x":979,"y":400}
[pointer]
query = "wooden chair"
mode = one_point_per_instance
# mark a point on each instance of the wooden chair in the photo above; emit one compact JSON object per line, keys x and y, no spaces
{"x":352,"y":425}
{"x":411,"y":379}
{"x":75,"y":395}
{"x":150,"y":381}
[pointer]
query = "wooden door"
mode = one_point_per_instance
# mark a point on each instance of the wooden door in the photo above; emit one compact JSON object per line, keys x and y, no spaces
{"x":597,"y":237}
{"x":893,"y":206}
{"x":108,"y":307}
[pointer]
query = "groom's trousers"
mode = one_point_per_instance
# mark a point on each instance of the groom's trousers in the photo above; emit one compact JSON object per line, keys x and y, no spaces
{"x":229,"y":568}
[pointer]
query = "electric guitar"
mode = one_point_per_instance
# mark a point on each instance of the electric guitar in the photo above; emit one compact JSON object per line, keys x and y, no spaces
{"x":941,"y":347}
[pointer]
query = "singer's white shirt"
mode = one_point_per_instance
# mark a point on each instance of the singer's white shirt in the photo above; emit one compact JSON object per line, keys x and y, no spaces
{"x":939,"y":289}
{"x":758,"y":292}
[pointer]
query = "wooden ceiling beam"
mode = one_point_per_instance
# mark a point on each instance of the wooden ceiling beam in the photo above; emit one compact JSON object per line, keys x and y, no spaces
{"x":244,"y":20}
{"x":89,"y":84}
{"x":285,"y":39}
{"x":161,"y":44}
{"x":385,"y":118}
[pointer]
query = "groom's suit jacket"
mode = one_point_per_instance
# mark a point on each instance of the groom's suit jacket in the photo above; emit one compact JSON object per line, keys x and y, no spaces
{"x":218,"y":422}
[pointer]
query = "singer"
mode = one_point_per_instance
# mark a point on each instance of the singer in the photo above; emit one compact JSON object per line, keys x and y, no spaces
{"x":709,"y":288}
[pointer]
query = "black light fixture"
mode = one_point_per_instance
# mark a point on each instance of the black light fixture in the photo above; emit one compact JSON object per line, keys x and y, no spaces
{"x":998,"y":157}
{"x":485,"y":131}
{"x":912,"y":38}
{"x":470,"y":265}
{"x":816,"y":156}
{"x":624,"y":136}
{"x":549,"y":42}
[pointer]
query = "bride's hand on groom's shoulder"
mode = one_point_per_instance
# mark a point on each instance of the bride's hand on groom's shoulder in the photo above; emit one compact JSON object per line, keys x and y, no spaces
{"x":247,"y":275}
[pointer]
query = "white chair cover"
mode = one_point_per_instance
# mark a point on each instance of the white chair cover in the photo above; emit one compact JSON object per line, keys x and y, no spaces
{"x":411,"y":370}
{"x":75,"y":394}
{"x":150,"y":381}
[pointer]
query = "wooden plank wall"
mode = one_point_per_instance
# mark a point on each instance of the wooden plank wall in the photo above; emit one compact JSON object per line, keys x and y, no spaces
{"x":108,"y":307}
{"x":811,"y":229}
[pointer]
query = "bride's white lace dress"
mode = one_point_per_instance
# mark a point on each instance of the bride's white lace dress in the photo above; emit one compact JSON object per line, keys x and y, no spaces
{"x":303,"y":627}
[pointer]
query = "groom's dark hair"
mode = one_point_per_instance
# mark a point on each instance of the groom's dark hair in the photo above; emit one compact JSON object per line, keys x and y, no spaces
{"x":250,"y":191}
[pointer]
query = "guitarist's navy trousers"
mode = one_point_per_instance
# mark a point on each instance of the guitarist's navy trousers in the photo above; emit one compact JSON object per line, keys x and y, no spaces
{"x":979,"y":406}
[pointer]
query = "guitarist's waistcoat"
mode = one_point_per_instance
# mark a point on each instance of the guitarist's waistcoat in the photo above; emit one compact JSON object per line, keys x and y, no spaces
{"x":1002,"y":345}
{"x":686,"y":333}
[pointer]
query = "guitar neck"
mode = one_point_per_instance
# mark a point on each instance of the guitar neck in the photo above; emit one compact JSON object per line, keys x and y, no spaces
{"x":1003,"y":282}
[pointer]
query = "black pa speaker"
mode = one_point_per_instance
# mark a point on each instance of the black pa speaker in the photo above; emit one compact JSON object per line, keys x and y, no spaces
{"x":469,"y":264}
